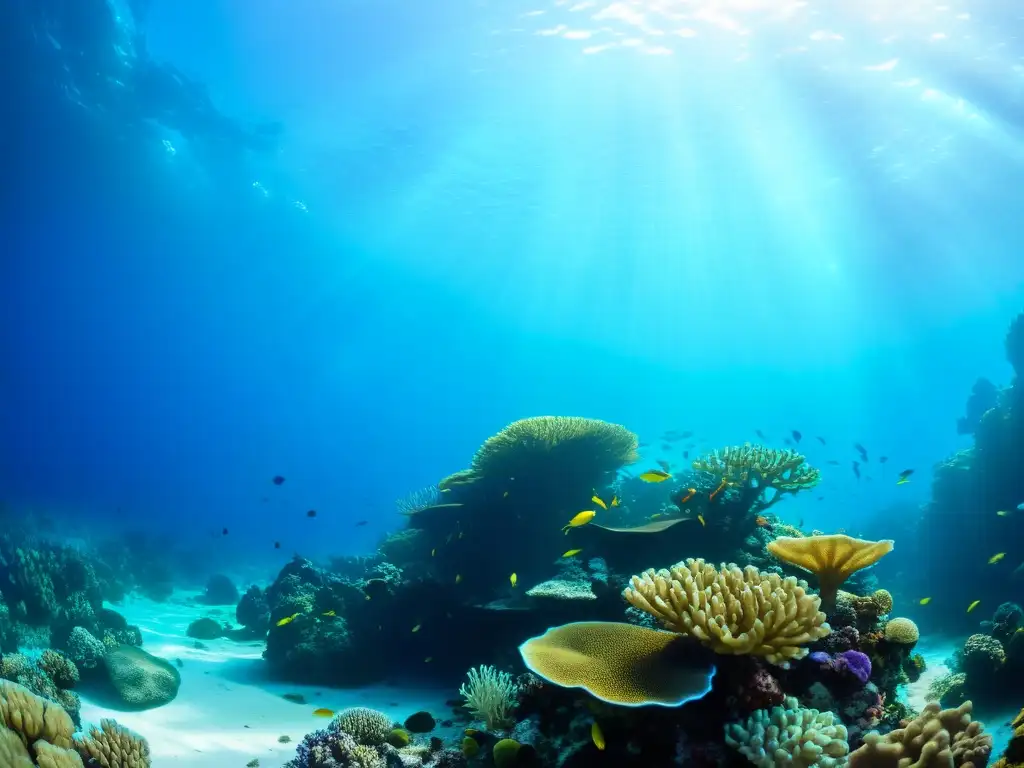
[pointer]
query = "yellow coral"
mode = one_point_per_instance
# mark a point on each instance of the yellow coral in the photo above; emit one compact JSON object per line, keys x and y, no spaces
{"x":832,"y":559}
{"x":34,"y":718}
{"x":732,"y":611}
{"x":937,"y":738}
{"x":620,"y":663}
{"x":756,"y":466}
{"x":114,"y":746}
{"x":13,"y":753}
{"x":49,"y":756}
{"x":505,"y":753}
{"x":1013,"y":757}
{"x":903,"y":631}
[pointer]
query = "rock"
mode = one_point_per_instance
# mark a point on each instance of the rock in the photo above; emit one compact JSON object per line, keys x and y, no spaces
{"x":205,"y":629}
{"x":141,"y":680}
{"x":420,"y":722}
{"x":252,"y":611}
{"x":220,"y":590}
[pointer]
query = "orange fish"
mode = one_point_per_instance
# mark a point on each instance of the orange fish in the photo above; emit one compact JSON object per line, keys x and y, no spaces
{"x":322,"y":713}
{"x":762,"y":521}
{"x":718,"y":490}
{"x":689,"y":495}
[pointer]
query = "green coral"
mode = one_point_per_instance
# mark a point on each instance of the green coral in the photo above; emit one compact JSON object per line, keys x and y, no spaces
{"x":755,"y":467}
{"x":367,"y":726}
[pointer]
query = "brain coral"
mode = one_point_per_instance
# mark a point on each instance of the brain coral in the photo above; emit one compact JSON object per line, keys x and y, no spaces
{"x":732,"y":611}
{"x":902,"y":631}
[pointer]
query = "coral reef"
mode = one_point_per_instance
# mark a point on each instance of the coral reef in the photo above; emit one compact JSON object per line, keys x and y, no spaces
{"x":790,"y":735}
{"x":754,"y":469}
{"x":935,"y":738}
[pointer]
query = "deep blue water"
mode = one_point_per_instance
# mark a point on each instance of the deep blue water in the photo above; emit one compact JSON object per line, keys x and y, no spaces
{"x":372,"y":234}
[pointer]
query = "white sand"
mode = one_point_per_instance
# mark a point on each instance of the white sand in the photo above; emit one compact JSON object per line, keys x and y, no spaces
{"x":226,"y":713}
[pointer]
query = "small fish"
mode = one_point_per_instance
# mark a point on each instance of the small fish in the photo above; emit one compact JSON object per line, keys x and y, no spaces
{"x":1003,"y":513}
{"x":460,"y":534}
{"x":882,"y":459}
{"x":700,"y":519}
{"x":862,"y":451}
{"x":361,"y":523}
{"x":311,"y":513}
{"x":690,"y":492}
{"x":446,"y":490}
{"x":686,"y":454}
{"x":656,"y":515}
{"x":666,"y":447}
{"x":581,"y":518}
{"x":973,"y":605}
{"x":833,"y":462}
{"x":615,"y":501}
{"x":428,"y":659}
{"x":664,"y":465}
{"x":655,"y":476}
{"x":821,"y":440}
{"x":458,"y":578}
{"x":329,"y":613}
{"x":571,"y":553}
{"x":597,"y":500}
{"x":504,"y":495}
{"x":1020,"y":507}
{"x":471,"y":732}
{"x":797,"y":435}
{"x":924,"y":601}
{"x":323,"y":712}
{"x":288,"y":619}
{"x":760,"y":434}
{"x":718,"y":490}
{"x":856,"y":469}
{"x":686,"y":434}
{"x":763,"y":521}
{"x":417,"y":628}
{"x":904,"y":476}
{"x":433,"y":552}
{"x":224,"y":532}
{"x":996,"y":558}
{"x":596,"y":736}
{"x":513,"y":580}
{"x":277,"y":545}
{"x":277,"y":480}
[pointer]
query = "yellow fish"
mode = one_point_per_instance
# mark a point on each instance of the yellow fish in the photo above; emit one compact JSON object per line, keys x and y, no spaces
{"x":656,"y":515}
{"x":596,"y":736}
{"x":973,"y":605}
{"x":323,"y":712}
{"x":582,"y":518}
{"x":700,"y":519}
{"x":571,"y":553}
{"x":597,"y":500}
{"x":655,"y":476}
{"x":471,"y":731}
{"x":615,"y":501}
{"x":417,"y":628}
{"x":288,"y":619}
{"x":328,"y":613}
{"x":458,"y":578}
{"x":924,"y":601}
{"x":513,"y":580}
{"x":996,"y":558}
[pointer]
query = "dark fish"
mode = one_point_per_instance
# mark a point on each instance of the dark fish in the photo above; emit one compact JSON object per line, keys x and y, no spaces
{"x":822,"y":440}
{"x":311,"y":513}
{"x":686,"y":454}
{"x":788,"y":441}
{"x":856,"y":469}
{"x":820,"y":498}
{"x":663,"y":464}
{"x":642,"y":445}
{"x":684,"y":435}
{"x":833,"y":462}
{"x":224,"y":532}
{"x":904,"y":476}
{"x":362,"y":522}
{"x":862,"y":451}
{"x":797,"y":435}
{"x":666,"y":447}
{"x":278,"y":479}
{"x":882,"y":459}
{"x":277,"y":545}
{"x":760,"y":434}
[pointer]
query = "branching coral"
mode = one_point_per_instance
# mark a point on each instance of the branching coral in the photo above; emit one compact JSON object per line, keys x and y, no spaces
{"x":789,"y":736}
{"x":490,"y":696}
{"x":732,"y":611}
{"x":367,"y":726}
{"x":113,"y":746}
{"x":935,"y":739}
{"x":832,"y":559}
{"x":755,"y":466}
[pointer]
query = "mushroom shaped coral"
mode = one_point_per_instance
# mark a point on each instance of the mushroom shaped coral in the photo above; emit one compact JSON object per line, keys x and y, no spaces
{"x":621,"y":663}
{"x":831,"y":558}
{"x":732,"y":611}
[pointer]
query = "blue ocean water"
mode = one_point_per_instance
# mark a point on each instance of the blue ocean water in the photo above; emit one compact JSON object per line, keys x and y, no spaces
{"x":343,"y":243}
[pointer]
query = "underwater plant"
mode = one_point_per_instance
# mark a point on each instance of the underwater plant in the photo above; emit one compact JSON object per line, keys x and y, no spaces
{"x":490,"y":696}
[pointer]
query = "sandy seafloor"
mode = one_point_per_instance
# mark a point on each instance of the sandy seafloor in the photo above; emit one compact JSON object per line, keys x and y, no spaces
{"x":226,"y":712}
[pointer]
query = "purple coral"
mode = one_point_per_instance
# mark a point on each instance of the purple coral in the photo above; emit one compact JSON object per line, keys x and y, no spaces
{"x":854,"y":663}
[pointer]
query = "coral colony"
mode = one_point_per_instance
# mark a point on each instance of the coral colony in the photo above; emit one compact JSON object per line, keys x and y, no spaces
{"x":634,"y":613}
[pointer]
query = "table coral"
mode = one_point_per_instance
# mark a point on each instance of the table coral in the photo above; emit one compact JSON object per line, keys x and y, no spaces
{"x":832,"y":559}
{"x":732,"y":611}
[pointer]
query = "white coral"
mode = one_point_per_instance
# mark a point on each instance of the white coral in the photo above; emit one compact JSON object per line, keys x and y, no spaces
{"x":490,"y":696}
